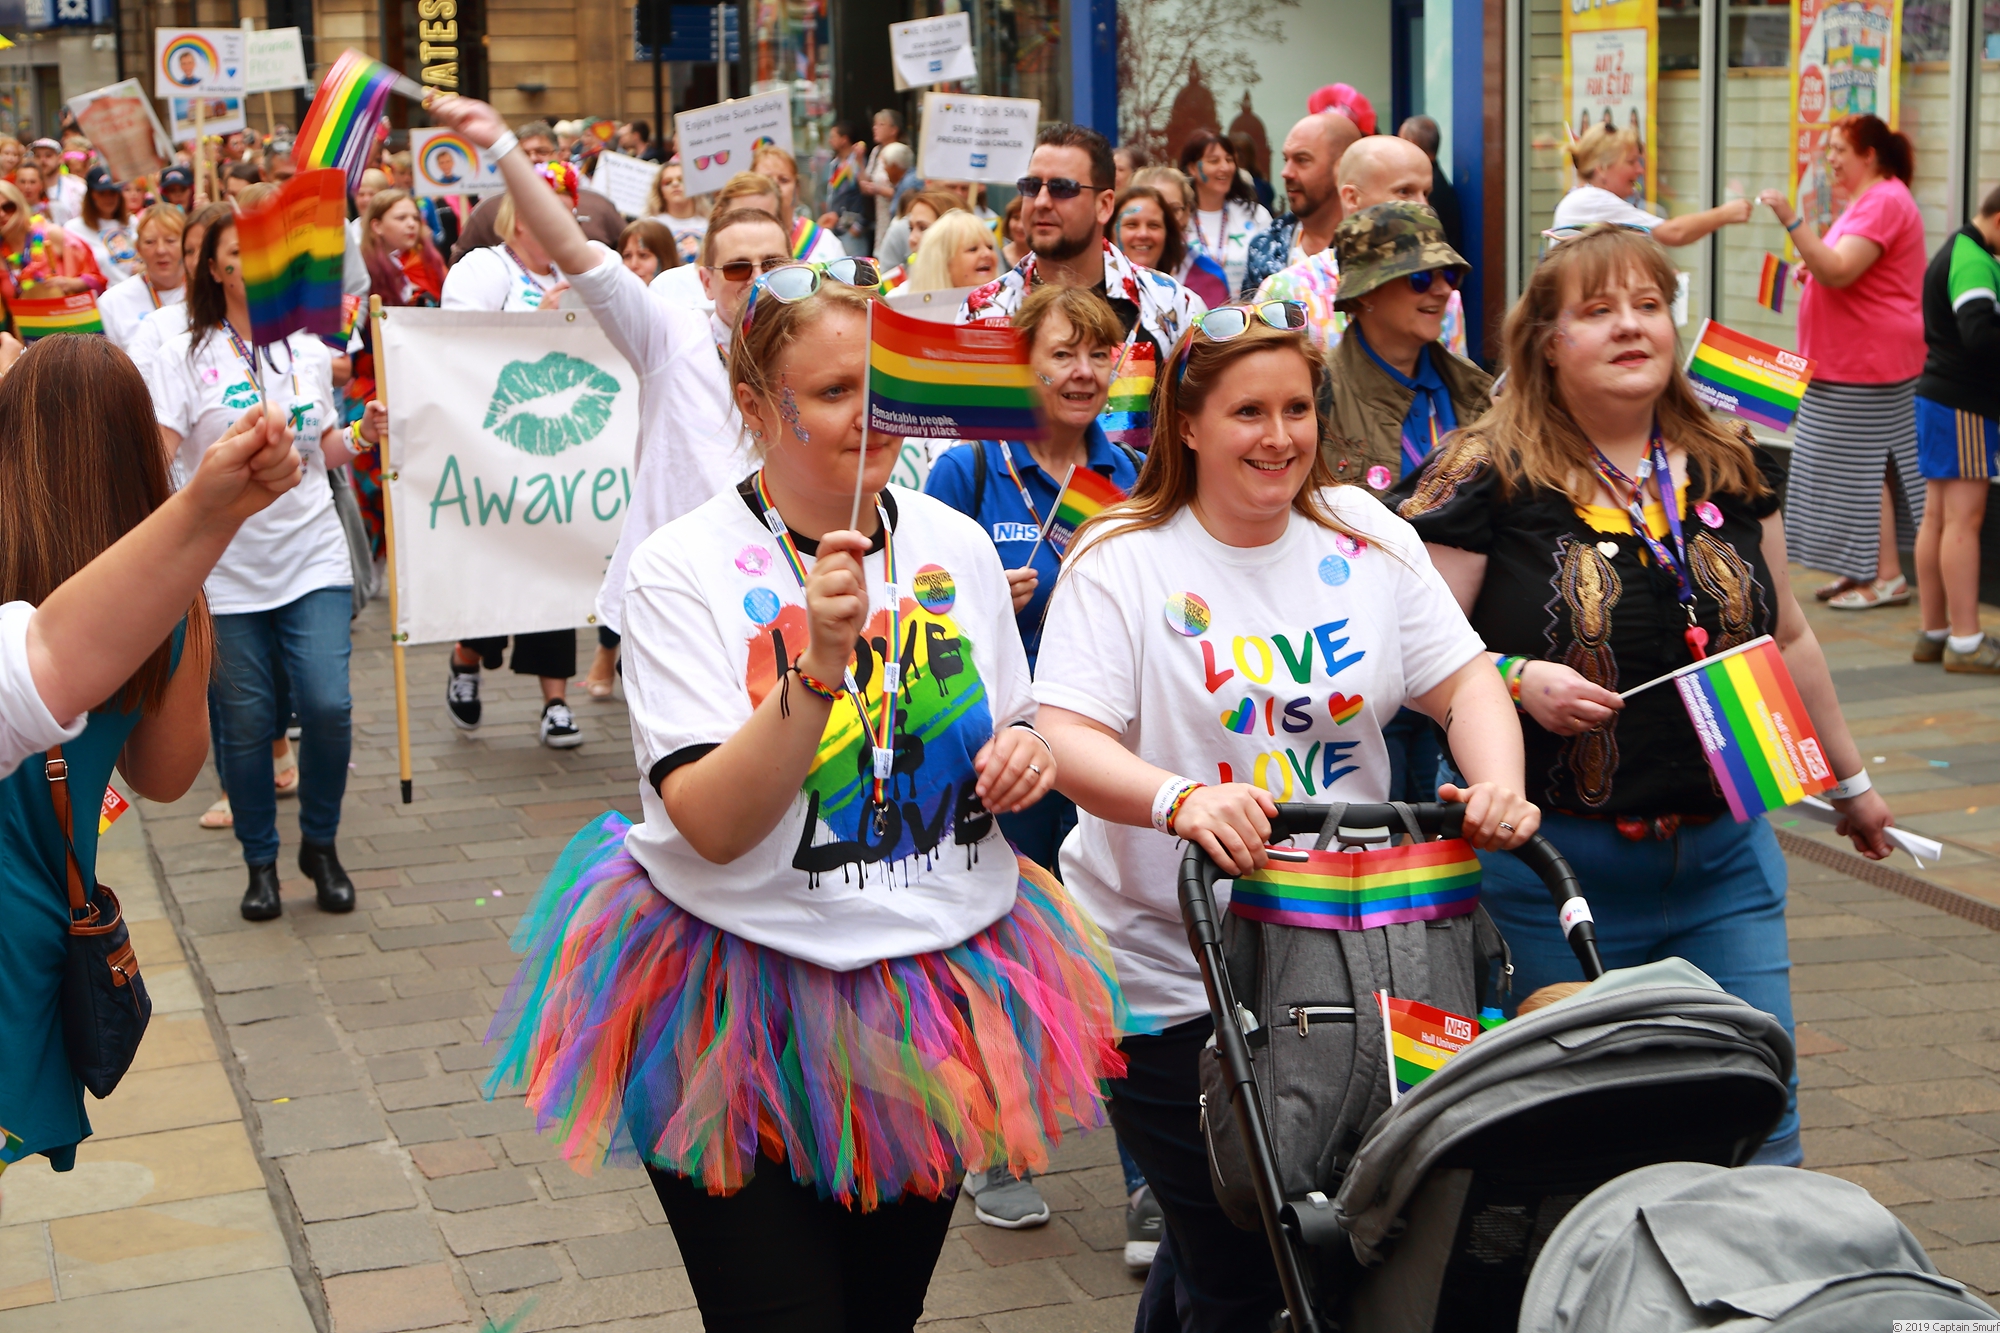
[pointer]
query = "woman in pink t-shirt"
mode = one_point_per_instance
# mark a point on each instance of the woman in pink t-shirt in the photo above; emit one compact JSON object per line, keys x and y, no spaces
{"x":1861,"y":319}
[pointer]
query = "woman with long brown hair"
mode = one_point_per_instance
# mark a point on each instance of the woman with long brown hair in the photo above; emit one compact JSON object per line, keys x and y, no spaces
{"x":1233,"y":635}
{"x":1529,"y":516}
{"x":116,"y":656}
{"x":282,"y":593}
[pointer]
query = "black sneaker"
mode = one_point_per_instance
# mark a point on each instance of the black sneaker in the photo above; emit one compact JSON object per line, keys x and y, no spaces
{"x":461,"y":696}
{"x":559,"y":729}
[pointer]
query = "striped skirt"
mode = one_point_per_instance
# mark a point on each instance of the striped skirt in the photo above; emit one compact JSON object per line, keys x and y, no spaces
{"x":1847,"y":439}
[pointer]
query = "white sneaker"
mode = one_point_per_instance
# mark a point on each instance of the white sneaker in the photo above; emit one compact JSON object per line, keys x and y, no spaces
{"x":559,"y":729}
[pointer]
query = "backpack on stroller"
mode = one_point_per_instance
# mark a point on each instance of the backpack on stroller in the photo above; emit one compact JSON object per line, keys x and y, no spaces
{"x":1428,"y":1216}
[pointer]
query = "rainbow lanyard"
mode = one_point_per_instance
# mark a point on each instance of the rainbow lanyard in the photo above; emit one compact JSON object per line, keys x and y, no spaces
{"x":250,"y":359}
{"x":526,"y":276}
{"x":149,"y":290}
{"x":1008,"y":454}
{"x":1674,"y":560}
{"x":881,"y":736}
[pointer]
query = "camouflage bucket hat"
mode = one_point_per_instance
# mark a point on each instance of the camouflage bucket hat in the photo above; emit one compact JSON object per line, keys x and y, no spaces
{"x":1388,"y":241}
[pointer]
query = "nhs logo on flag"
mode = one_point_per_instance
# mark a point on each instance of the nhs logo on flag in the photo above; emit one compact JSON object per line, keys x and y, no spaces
{"x":1015,"y":532}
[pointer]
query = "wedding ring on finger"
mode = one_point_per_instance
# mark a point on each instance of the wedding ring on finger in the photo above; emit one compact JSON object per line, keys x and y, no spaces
{"x":1036,"y":769}
{"x":1505,"y":825}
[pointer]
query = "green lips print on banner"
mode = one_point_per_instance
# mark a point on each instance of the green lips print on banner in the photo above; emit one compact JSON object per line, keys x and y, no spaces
{"x":544,"y":407}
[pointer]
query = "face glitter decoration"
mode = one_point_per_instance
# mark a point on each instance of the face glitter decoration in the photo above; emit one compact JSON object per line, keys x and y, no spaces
{"x":788,"y":408}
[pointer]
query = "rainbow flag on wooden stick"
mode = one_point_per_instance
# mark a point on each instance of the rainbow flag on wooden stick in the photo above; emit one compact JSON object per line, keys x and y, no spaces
{"x":292,"y":249}
{"x":340,"y":124}
{"x":1420,"y":1039}
{"x":1128,"y":413}
{"x":949,"y":381}
{"x":39,"y":317}
{"x":1753,"y":727}
{"x":1757,"y":381}
{"x":1424,"y":881}
{"x":1086,"y":493}
{"x":1771,"y":284}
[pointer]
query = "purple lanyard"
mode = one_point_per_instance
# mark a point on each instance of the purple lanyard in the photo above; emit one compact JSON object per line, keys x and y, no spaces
{"x":1674,"y":560}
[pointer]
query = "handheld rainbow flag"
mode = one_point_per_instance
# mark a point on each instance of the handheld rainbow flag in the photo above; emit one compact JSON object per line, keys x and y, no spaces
{"x":10,"y":1148}
{"x":1757,"y":381}
{"x":340,"y":124}
{"x":949,"y":381}
{"x":1086,"y":493}
{"x":292,"y":248}
{"x":1771,"y":284}
{"x":1128,"y":413}
{"x":805,"y":235}
{"x":1420,"y":1039}
{"x":39,"y":317}
{"x":1753,"y":726}
{"x":1424,"y":881}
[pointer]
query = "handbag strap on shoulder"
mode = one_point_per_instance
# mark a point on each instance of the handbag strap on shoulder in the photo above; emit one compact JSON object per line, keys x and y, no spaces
{"x":57,"y":769}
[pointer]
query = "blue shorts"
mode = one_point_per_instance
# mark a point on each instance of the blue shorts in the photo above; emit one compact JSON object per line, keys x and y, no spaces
{"x":1954,"y":445}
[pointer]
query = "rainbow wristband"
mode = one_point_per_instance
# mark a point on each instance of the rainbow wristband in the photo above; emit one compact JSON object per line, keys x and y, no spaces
{"x":1511,"y":669}
{"x":1168,"y":800}
{"x":1174,"y":810}
{"x":817,"y":686}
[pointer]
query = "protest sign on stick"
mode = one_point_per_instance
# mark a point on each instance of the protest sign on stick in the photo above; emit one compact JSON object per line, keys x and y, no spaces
{"x":445,"y":162}
{"x":626,"y":181}
{"x":977,"y":138}
{"x":932,"y":50}
{"x":123,"y":128}
{"x":717,"y":141}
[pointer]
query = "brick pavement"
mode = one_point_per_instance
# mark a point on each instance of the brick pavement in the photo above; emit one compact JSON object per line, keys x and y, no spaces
{"x":407,"y":1202}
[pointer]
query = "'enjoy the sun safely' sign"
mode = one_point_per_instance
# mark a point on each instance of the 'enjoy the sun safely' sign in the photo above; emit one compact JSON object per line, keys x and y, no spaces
{"x":512,"y":440}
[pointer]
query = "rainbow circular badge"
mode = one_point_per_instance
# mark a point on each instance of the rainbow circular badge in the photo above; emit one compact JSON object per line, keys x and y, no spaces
{"x":761,"y":605}
{"x":936,"y":593}
{"x":1187,"y":614}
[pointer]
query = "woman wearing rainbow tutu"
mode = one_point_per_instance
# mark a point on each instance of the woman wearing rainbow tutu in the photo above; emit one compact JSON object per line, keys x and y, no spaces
{"x":810,"y":990}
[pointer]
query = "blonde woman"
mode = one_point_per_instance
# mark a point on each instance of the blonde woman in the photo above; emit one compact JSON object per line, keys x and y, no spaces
{"x":161,"y":280}
{"x":799,"y":935}
{"x":957,"y":251}
{"x":1608,"y":164}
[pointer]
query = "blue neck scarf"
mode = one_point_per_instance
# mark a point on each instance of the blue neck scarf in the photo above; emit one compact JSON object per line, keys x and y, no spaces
{"x":1430,"y":416}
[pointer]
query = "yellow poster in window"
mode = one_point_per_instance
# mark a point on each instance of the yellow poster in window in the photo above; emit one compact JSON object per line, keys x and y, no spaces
{"x":1847,"y":59}
{"x":1611,"y":72}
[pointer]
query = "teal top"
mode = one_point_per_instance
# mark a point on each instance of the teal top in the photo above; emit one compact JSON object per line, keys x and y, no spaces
{"x":41,"y":1100}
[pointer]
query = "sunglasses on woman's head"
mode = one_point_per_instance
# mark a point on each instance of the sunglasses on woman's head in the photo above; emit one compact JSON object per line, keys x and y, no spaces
{"x":792,"y":283}
{"x":1232,"y":321}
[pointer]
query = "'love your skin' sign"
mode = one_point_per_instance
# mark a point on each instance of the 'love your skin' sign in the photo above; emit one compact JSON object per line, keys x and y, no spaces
{"x":512,"y":439}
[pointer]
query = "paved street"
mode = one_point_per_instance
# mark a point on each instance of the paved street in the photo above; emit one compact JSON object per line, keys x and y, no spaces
{"x":303,"y":1144}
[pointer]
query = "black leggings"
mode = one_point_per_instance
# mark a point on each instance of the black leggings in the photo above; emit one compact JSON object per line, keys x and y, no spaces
{"x":774,"y":1257}
{"x":545,"y":653}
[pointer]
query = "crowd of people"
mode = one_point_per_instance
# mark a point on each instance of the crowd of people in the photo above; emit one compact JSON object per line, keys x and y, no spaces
{"x":901,"y":901}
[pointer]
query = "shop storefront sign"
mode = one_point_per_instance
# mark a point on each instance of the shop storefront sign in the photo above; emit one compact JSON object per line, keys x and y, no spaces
{"x":1845,"y":58}
{"x":986,"y":139}
{"x":932,"y":50}
{"x":1611,"y":71}
{"x":716,"y":141}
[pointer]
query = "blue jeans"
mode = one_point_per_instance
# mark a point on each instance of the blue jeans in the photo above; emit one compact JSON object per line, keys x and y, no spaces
{"x":309,"y":639}
{"x":1038,"y":832}
{"x":1713,"y":894}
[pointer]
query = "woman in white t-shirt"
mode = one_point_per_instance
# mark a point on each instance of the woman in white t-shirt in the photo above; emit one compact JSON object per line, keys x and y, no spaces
{"x":105,"y":225}
{"x":156,"y":326}
{"x":1608,"y":165}
{"x":684,"y":216}
{"x":1234,"y":635}
{"x":161,"y":280}
{"x":1226,"y":216}
{"x":282,"y":594}
{"x":814,"y":986}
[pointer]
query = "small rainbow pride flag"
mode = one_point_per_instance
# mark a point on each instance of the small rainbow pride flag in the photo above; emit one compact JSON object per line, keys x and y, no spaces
{"x":292,"y":250}
{"x":1771,"y":284}
{"x":805,"y":235}
{"x":1420,"y":1039}
{"x":39,"y":317}
{"x":1753,"y":726}
{"x":1128,"y":413}
{"x":1086,"y":493}
{"x":10,"y":1148}
{"x":948,"y":381}
{"x":340,"y":124}
{"x":1758,"y":381}
{"x":1424,"y":881}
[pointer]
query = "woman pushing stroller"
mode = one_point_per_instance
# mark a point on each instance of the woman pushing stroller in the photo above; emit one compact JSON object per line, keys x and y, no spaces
{"x":1236,"y":634}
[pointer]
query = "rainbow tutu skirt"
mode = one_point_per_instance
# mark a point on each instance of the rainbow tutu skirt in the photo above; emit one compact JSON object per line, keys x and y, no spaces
{"x":638,"y":1031}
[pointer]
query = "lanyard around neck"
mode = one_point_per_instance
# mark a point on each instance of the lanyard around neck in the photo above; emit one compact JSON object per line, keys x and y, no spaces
{"x":1675,"y":559}
{"x":881,"y":733}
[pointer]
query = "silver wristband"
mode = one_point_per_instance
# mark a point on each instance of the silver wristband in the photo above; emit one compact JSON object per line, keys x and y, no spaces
{"x":1022,"y":726}
{"x":1850,"y":787}
{"x":504,"y":145}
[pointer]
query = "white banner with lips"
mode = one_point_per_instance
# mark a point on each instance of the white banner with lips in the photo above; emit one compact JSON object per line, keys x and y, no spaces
{"x":512,"y":447}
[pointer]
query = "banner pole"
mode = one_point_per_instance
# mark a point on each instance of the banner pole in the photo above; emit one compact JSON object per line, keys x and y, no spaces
{"x":867,"y":378}
{"x":1048,"y":522}
{"x":389,"y":549}
{"x":200,"y":148}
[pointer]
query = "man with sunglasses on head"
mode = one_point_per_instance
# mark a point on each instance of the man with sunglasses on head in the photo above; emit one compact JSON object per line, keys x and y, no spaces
{"x":1066,"y":198}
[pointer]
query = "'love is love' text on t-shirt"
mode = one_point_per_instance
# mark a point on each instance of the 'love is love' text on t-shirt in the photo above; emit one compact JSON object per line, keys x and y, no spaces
{"x":1275,"y":665}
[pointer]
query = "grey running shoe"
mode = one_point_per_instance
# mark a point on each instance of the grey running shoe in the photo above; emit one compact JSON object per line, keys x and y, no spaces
{"x":1143,"y":1224}
{"x":1927,"y":649}
{"x":1983,"y":660}
{"x":1002,"y":1199}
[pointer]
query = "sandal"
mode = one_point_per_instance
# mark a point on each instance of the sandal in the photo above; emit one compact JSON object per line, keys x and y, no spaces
{"x":285,"y":774}
{"x":1868,"y":596}
{"x":218,"y":815}
{"x":1826,"y":592}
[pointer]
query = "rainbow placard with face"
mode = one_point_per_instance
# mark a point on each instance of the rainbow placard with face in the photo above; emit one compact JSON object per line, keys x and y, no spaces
{"x":445,"y":162}
{"x":188,"y":62}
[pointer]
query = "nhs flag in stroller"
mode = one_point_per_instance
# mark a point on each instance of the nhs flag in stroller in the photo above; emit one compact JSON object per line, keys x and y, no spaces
{"x":1420,"y":1038}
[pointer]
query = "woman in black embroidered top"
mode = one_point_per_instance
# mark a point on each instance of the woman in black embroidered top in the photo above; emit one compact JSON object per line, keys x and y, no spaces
{"x":1526,"y":515}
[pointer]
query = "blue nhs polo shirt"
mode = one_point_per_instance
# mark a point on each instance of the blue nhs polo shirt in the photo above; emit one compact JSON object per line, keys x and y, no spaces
{"x":1000,"y":510}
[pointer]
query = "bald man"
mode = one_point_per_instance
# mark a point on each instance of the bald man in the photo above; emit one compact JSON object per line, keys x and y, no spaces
{"x":1382,"y":168}
{"x":1313,"y":152}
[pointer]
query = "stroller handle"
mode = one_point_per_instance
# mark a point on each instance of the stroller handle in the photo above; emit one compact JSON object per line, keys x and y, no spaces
{"x":1443,"y":819}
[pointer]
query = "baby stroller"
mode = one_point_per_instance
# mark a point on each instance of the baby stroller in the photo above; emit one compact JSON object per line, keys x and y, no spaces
{"x":1428,"y":1216}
